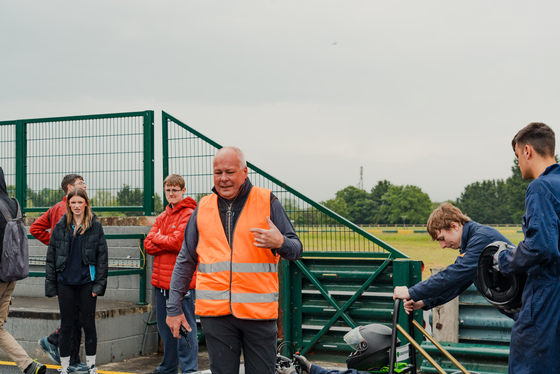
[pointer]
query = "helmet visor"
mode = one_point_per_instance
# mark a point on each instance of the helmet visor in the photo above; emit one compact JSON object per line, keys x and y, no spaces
{"x":354,"y":339}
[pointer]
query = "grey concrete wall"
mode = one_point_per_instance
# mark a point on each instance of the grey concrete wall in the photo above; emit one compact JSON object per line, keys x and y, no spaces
{"x":123,"y":329}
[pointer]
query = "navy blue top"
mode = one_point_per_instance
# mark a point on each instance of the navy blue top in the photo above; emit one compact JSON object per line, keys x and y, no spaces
{"x":538,"y":253}
{"x":457,"y":277}
{"x":75,"y":272}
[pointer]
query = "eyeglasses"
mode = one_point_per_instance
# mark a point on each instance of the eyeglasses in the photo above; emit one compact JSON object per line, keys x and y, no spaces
{"x":172,"y":191}
{"x":80,"y":183}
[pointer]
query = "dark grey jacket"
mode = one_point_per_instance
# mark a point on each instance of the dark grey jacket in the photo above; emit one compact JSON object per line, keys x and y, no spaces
{"x":94,"y":252}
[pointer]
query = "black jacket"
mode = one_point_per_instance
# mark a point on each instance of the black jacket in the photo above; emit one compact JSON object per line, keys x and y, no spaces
{"x":94,"y":252}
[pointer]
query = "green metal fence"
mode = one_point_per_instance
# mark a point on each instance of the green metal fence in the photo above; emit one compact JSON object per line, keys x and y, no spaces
{"x":189,"y":153}
{"x":113,"y":152}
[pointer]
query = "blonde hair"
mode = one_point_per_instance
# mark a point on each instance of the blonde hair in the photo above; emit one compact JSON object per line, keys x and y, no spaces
{"x":88,"y":215}
{"x":442,"y":218}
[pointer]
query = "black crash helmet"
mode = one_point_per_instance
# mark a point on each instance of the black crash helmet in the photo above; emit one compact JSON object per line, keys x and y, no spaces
{"x":372,"y":344}
{"x":500,"y":290}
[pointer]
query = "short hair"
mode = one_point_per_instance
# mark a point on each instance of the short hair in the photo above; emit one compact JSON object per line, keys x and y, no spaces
{"x":69,"y":179}
{"x":238,"y":152}
{"x":442,"y":218}
{"x":539,"y":136}
{"x":174,"y":180}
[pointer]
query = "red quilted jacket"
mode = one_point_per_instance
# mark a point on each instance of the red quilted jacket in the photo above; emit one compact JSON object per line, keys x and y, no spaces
{"x":47,"y":221}
{"x":165,"y":239}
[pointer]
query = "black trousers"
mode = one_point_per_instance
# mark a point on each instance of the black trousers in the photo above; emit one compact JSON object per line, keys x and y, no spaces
{"x":54,"y":338}
{"x":69,"y":297}
{"x":227,"y":336}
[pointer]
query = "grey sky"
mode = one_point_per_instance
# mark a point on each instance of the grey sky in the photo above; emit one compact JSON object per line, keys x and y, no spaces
{"x":425,"y":93}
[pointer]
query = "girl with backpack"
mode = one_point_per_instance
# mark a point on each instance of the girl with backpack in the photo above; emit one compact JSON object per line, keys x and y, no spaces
{"x":76,"y":272}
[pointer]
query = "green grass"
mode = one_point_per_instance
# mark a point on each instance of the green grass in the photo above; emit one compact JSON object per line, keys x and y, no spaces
{"x":420,"y":247}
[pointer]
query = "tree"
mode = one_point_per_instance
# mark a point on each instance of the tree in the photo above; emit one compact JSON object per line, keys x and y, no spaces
{"x":376,"y":196}
{"x":129,"y":197}
{"x":516,"y":187}
{"x":406,"y":201}
{"x":158,"y":204}
{"x":337,"y":205}
{"x":103,"y":198}
{"x":358,"y":204}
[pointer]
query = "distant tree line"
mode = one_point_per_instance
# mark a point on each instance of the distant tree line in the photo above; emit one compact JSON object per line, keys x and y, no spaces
{"x":490,"y":202}
{"x":126,"y":196}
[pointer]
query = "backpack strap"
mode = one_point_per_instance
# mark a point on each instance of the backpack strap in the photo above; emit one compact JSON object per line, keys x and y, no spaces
{"x":6,"y":211}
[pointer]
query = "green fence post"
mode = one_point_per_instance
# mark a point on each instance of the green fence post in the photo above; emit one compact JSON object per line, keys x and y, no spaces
{"x":285,"y":298}
{"x":408,"y":273}
{"x":21,"y":163}
{"x":149,"y":189}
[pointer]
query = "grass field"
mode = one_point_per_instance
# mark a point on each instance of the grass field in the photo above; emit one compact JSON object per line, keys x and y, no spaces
{"x":418,"y":246}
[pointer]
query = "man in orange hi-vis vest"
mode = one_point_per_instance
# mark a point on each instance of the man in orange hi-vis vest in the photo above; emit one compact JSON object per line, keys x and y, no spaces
{"x":236,"y":236}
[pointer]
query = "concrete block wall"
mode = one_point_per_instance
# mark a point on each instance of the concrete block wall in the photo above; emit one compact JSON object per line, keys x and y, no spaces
{"x":123,"y":329}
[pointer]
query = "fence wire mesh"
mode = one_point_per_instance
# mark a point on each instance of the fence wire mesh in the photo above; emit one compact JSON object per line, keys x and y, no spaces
{"x":108,"y":151}
{"x":8,"y":155}
{"x":189,"y":154}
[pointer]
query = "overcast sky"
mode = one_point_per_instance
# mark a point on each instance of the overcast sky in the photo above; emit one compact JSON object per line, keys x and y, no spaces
{"x":428,"y":93}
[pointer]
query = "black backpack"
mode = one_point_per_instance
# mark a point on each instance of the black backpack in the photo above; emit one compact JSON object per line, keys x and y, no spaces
{"x":14,"y":260}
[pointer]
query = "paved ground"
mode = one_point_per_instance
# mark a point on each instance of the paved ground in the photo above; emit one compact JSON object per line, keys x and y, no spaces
{"x":137,"y":365}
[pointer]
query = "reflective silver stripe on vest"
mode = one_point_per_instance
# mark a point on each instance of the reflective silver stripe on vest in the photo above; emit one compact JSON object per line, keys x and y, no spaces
{"x":238,"y":268}
{"x":212,"y":295}
{"x":254,"y":297}
{"x":255,"y":268}
{"x":238,"y":297}
{"x":214,"y":268}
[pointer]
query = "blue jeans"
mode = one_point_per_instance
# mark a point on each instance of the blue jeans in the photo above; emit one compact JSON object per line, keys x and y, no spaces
{"x":176,"y":352}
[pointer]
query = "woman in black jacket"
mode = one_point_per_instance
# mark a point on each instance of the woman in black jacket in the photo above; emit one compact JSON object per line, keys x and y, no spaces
{"x":76,"y":272}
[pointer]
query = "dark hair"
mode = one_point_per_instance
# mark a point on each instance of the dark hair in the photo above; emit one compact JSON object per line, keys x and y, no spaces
{"x":539,"y":136}
{"x":69,"y":179}
{"x":443,"y":217}
{"x":88,"y":215}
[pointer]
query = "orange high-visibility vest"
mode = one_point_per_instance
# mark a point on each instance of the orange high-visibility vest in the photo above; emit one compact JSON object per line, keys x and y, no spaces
{"x":243,"y":280}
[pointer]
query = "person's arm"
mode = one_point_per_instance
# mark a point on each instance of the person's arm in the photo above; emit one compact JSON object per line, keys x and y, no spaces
{"x":453,"y":280}
{"x":173,"y":239}
{"x":292,"y":247}
{"x":101,"y":266}
{"x":149,"y":245}
{"x":51,"y":288}
{"x":541,"y":236}
{"x":39,"y":228}
{"x":183,"y":271}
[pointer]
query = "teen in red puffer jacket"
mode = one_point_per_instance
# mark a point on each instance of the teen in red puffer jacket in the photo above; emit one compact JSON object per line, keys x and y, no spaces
{"x":165,"y":239}
{"x":164,"y":242}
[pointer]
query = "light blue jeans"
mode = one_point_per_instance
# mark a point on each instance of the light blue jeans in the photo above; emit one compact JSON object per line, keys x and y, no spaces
{"x":176,"y":352}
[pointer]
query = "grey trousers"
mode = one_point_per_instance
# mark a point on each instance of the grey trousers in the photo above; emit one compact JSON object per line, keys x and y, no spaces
{"x":7,"y":341}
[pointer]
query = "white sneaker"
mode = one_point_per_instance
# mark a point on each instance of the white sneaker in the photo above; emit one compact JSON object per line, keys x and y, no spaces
{"x":93,"y":370}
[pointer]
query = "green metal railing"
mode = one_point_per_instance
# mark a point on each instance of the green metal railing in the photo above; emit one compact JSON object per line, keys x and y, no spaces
{"x":189,"y":153}
{"x":117,"y":266}
{"x":113,"y":152}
